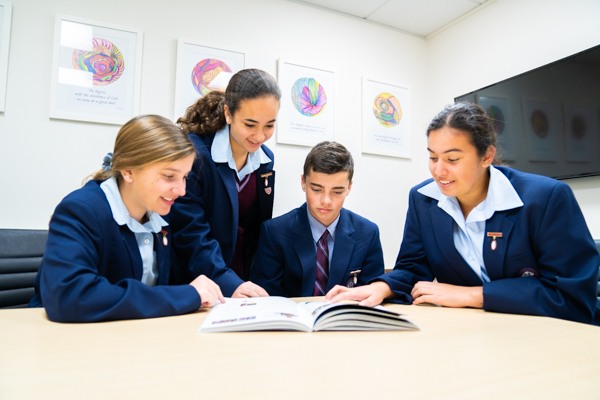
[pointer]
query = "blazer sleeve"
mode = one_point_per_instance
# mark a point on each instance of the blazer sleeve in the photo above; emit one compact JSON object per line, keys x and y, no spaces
{"x":268,"y":268}
{"x":373,"y":265}
{"x":412,"y":265}
{"x":71,"y":288}
{"x":195,"y":249}
{"x":567,"y":263}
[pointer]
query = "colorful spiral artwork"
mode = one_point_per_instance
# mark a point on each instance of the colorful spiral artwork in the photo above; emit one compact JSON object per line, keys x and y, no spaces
{"x":309,"y":97}
{"x":497,"y":116}
{"x":105,"y":61}
{"x":387,"y":110}
{"x":205,"y":71}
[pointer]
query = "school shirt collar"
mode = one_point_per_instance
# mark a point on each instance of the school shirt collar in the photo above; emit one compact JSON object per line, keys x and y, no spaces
{"x":121,"y":215}
{"x":501,"y":196}
{"x":220,"y":152}
{"x":318,"y":228}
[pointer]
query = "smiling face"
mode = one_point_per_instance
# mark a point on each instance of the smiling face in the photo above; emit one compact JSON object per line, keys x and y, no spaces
{"x":252,"y":124}
{"x":457,"y":168}
{"x":325,"y":194}
{"x":154,"y":187}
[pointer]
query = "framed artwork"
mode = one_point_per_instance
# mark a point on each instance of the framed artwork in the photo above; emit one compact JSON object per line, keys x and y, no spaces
{"x":5,"y":19}
{"x":542,"y":128}
{"x":306,"y":115}
{"x":386,"y":114}
{"x":96,"y":71}
{"x":201,"y":69}
{"x":581,"y":133}
{"x":498,"y":109}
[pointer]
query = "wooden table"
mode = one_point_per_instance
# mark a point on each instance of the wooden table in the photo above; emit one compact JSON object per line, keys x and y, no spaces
{"x":458,"y":354}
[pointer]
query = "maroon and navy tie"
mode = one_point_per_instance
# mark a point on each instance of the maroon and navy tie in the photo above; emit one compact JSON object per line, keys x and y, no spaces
{"x":322,"y":265}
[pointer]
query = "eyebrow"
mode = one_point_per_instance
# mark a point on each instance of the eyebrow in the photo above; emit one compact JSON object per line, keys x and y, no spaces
{"x":172,"y":169}
{"x":322,"y":187}
{"x":256,"y":122}
{"x":447,"y":151}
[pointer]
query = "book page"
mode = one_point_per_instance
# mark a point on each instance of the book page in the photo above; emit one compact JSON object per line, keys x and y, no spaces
{"x":255,"y":313}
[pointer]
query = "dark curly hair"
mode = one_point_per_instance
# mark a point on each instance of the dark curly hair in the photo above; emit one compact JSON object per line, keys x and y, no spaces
{"x":470,"y":119}
{"x":207,"y":115}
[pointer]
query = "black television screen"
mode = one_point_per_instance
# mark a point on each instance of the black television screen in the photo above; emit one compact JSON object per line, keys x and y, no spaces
{"x":548,"y":119}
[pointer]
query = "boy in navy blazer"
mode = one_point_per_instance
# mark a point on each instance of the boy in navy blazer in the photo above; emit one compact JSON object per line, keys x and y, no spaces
{"x":319,"y":245}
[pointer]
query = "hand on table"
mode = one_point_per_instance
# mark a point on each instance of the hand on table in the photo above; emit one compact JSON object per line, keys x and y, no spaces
{"x":447,"y":295}
{"x":369,"y":295}
{"x":209,"y":291}
{"x":249,"y":289}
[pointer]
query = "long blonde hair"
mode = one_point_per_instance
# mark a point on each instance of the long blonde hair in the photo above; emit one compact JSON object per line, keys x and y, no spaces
{"x":145,"y":140}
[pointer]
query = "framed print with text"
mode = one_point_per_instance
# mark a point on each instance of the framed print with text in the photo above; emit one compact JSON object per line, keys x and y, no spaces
{"x":386,"y":113}
{"x":306,"y":116}
{"x":5,"y":19}
{"x":96,"y":71}
{"x":201,"y":69}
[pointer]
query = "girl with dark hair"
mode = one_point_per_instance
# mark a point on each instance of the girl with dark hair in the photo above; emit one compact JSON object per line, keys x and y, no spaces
{"x":231,"y":187}
{"x":108,"y":254}
{"x":489,"y":237}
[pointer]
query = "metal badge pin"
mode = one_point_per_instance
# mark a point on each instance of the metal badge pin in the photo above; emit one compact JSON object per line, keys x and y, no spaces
{"x":268,"y":190}
{"x":494,"y":235}
{"x":355,"y":276}
{"x":266,"y":176}
{"x":165,"y":240}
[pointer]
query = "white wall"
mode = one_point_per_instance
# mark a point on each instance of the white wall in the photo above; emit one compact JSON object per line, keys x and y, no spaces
{"x":42,"y":160}
{"x":505,"y":39}
{"x":45,"y":159}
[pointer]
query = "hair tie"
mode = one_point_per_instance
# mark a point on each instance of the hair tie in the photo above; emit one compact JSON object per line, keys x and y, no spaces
{"x":107,"y":162}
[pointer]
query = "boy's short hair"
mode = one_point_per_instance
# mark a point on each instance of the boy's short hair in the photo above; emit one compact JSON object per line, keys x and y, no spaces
{"x":329,"y":158}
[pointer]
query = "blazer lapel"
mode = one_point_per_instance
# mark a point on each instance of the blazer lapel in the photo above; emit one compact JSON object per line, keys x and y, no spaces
{"x":494,"y":259}
{"x":342,"y":251}
{"x":229,"y":181}
{"x":304,"y":246}
{"x":163,"y":258}
{"x":265,"y":189}
{"x":443,"y":230}
{"x":134,"y":252}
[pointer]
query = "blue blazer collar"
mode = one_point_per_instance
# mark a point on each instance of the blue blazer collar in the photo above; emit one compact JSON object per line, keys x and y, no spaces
{"x":163,"y":255}
{"x":443,"y":231}
{"x":305,"y":250}
{"x":494,"y":259}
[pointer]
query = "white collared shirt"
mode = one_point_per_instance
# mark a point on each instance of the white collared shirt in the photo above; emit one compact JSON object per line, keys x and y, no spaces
{"x":469,"y":235}
{"x":220,"y":152}
{"x":143,"y":233}
{"x":317,"y":229}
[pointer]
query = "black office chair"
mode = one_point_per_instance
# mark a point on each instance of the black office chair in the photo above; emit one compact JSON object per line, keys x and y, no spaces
{"x":21,"y":253}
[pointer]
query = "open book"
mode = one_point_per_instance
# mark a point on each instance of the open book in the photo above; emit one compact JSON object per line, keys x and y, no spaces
{"x":280,"y":313}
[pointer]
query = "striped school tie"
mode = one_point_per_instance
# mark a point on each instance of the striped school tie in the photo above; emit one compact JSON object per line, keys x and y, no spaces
{"x":322,"y":265}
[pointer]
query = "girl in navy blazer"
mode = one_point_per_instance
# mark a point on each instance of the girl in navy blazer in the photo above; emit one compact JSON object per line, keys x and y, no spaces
{"x":488,"y":237}
{"x":108,"y":254}
{"x":231,"y":187}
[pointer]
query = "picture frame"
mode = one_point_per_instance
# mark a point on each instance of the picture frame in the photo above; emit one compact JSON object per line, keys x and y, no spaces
{"x":200,"y":69}
{"x":542,"y":128}
{"x":581,"y":128}
{"x":386,"y":118}
{"x":96,"y":71}
{"x":498,"y":109}
{"x":5,"y":25}
{"x":307,"y":111}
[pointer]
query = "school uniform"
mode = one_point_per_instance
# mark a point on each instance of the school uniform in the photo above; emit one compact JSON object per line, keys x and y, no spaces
{"x":97,"y":269}
{"x":537,"y":258}
{"x":285,"y":263}
{"x":206,"y":221}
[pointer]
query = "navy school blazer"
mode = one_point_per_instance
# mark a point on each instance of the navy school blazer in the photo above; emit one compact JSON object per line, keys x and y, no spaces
{"x":92,"y":267}
{"x":285,"y":263}
{"x":545,"y":262}
{"x":205,"y":221}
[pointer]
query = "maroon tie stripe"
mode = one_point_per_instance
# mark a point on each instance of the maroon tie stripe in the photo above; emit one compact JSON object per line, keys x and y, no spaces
{"x":322,"y":265}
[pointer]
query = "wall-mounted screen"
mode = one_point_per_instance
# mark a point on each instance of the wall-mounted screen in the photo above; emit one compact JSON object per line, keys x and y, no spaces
{"x":548,"y":119}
